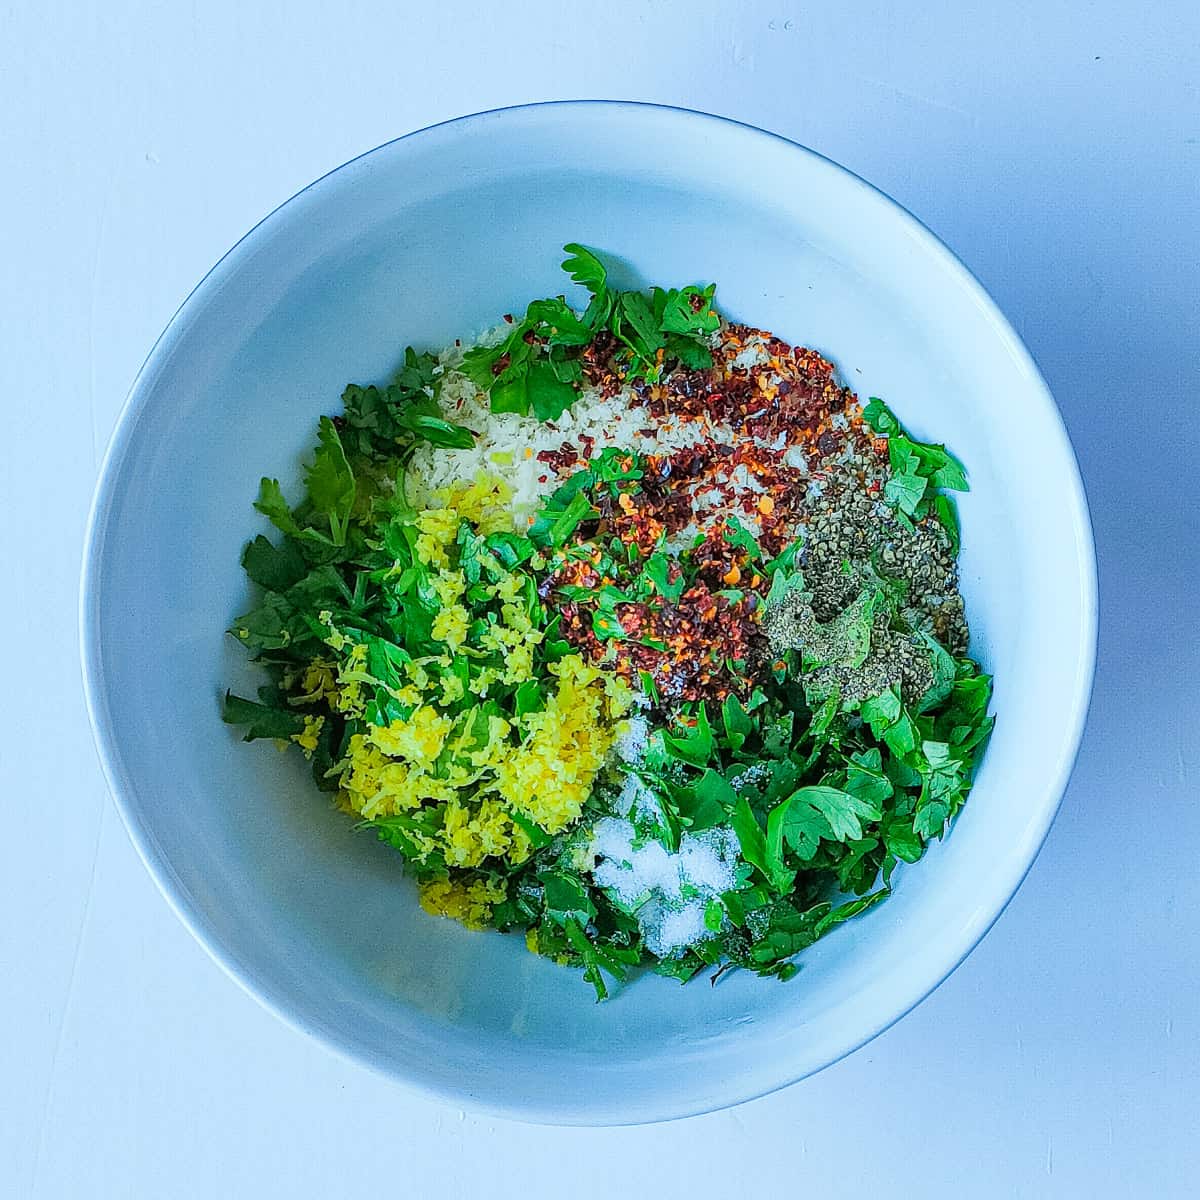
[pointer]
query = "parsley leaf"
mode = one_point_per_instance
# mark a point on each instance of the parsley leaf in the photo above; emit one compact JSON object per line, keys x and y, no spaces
{"x":646,"y":337}
{"x":866,"y":780}
{"x":689,"y":310}
{"x":555,"y":522}
{"x":737,"y":535}
{"x":750,"y":836}
{"x":881,"y":418}
{"x":272,"y":625}
{"x":852,"y":908}
{"x":901,"y":737}
{"x":905,"y":492}
{"x":902,"y":839}
{"x":275,"y":508}
{"x":437,"y":431}
{"x":695,"y":745}
{"x":818,"y":808}
{"x":564,"y":327}
{"x":706,"y":803}
{"x":275,"y":568}
{"x":693,"y":355}
{"x":585,"y":268}
{"x":565,"y":898}
{"x":658,"y":571}
{"x":738,"y":723}
{"x":262,"y":720}
{"x":882,"y":711}
{"x":846,"y":640}
{"x":944,"y":674}
{"x":330,"y":481}
{"x":946,"y":512}
{"x":919,"y":471}
{"x":606,"y":625}
{"x":547,"y":395}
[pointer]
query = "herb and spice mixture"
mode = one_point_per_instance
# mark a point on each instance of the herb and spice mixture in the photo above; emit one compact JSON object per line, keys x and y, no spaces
{"x":629,"y":629}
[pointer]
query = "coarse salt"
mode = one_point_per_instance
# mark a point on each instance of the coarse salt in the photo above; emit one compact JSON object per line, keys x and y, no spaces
{"x":630,"y":744}
{"x":669,"y":892}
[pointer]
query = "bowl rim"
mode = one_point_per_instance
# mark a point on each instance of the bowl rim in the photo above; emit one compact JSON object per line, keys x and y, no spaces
{"x":245,"y":974}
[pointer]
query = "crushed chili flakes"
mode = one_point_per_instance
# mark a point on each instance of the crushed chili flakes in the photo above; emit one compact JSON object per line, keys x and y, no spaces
{"x":746,"y":438}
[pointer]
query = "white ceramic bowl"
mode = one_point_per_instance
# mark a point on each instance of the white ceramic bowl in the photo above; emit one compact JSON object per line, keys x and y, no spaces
{"x":431,"y":237}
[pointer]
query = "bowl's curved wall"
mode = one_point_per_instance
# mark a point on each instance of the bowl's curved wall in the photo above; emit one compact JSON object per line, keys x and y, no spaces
{"x":430,"y":238}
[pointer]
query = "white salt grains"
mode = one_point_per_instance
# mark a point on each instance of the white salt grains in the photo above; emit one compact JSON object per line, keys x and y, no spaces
{"x":630,"y":745}
{"x":669,"y":892}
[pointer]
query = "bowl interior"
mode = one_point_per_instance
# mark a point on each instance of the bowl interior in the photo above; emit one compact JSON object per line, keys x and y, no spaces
{"x":431,"y":238}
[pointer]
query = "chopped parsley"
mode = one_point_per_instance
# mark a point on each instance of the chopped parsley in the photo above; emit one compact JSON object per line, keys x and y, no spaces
{"x":468,"y":685}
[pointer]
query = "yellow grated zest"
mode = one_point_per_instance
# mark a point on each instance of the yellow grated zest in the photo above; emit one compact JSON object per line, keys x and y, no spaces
{"x":306,"y":739}
{"x":319,"y":682}
{"x":348,"y":696}
{"x":470,"y":903}
{"x":448,"y":586}
{"x":474,"y":770}
{"x":544,"y":769}
{"x":418,"y":740}
{"x":451,"y":626}
{"x":549,"y":776}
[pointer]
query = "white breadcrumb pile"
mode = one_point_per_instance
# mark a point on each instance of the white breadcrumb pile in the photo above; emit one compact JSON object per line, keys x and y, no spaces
{"x":515,"y":447}
{"x":509,"y":444}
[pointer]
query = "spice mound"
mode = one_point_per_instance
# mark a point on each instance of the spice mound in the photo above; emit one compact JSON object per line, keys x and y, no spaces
{"x":628,"y":628}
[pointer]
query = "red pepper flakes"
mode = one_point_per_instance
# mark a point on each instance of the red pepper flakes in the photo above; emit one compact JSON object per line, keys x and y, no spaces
{"x":562,"y":459}
{"x":702,"y":633}
{"x":786,"y":405}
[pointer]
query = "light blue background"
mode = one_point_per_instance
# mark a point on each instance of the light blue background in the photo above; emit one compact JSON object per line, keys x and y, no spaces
{"x":1058,"y":154}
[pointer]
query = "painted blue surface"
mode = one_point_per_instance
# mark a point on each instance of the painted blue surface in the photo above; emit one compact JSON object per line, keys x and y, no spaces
{"x":1058,"y":154}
